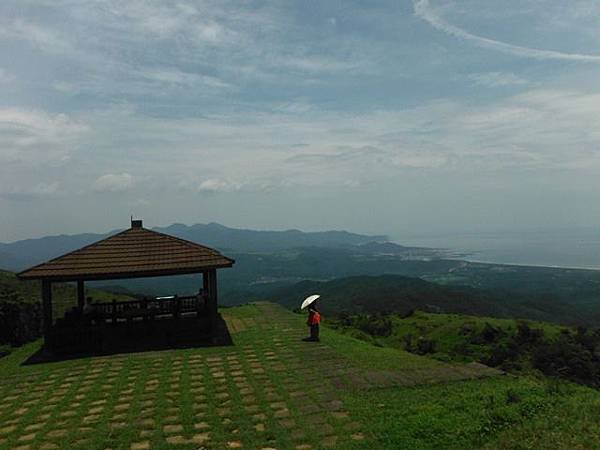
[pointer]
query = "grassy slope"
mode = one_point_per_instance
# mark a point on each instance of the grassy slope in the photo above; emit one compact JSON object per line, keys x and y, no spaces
{"x":481,"y":413}
{"x":447,"y":331}
{"x":502,"y":412}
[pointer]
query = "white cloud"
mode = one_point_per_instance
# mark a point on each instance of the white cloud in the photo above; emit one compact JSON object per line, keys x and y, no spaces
{"x":39,"y":36}
{"x":497,"y":79}
{"x":39,"y":190}
{"x":175,"y":76}
{"x":424,"y":10}
{"x":37,"y":137}
{"x":214,"y":185}
{"x":114,"y":182}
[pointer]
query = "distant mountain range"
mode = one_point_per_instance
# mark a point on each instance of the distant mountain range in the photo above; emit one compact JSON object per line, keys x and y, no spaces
{"x":19,"y":255}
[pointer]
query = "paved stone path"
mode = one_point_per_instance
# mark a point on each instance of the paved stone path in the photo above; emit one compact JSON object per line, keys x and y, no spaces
{"x":269,"y":391}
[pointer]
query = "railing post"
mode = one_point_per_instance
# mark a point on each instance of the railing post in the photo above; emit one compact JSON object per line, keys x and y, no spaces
{"x":144,"y":303}
{"x":114,"y":311}
{"x":47,"y":310}
{"x":177,"y":306}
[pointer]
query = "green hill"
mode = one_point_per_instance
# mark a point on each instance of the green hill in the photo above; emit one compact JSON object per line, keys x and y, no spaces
{"x":399,"y":294}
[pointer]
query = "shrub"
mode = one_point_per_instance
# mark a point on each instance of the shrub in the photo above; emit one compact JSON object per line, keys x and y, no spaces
{"x":425,"y":346}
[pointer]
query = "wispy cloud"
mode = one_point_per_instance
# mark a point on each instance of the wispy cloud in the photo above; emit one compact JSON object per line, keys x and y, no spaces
{"x":114,"y":182}
{"x":424,"y":10}
{"x":21,"y":193}
{"x":36,"y":136}
{"x":497,"y":79}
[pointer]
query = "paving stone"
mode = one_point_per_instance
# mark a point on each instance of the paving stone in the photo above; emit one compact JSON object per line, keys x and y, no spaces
{"x":173,"y":428}
{"x":56,"y":434}
{"x":144,"y":445}
{"x":351,"y":426}
{"x":8,"y":429}
{"x":329,"y":441}
{"x":288,"y":423}
{"x":223,"y":411}
{"x":35,"y":426}
{"x":171,"y":419}
{"x":176,"y":440}
{"x":200,"y":438}
{"x":340,"y":415}
{"x":147,"y":423}
{"x":248,"y":399}
{"x":27,"y":437}
{"x":234,"y":444}
{"x":282,"y":413}
{"x":48,"y":446}
{"x":201,"y":426}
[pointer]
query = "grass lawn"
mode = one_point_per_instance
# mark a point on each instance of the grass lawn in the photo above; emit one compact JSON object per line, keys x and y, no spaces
{"x":271,"y":390}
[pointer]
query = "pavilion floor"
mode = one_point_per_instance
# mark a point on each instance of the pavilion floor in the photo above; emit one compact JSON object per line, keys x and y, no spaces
{"x":133,"y":337}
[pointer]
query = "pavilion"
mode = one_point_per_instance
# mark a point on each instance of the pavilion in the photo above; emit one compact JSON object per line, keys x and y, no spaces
{"x":134,"y":253}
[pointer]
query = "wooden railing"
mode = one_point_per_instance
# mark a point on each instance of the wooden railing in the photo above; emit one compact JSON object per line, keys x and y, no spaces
{"x":149,"y":308}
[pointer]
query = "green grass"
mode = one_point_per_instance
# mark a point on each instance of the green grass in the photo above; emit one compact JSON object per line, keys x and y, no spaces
{"x":516,"y":413}
{"x":158,"y":397}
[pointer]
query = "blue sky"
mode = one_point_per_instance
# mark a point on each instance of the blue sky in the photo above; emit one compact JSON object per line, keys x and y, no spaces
{"x":389,"y":117}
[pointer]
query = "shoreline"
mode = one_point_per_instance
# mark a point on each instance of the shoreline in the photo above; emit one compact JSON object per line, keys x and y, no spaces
{"x":542,"y":266}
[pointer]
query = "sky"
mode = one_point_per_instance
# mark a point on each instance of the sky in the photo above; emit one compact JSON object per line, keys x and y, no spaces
{"x":394,"y":117}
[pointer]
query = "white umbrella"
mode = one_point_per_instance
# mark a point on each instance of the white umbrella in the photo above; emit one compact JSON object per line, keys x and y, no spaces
{"x":309,"y":300}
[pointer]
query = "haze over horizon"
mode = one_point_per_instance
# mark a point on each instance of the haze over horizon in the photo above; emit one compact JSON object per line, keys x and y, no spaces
{"x":423,"y":116}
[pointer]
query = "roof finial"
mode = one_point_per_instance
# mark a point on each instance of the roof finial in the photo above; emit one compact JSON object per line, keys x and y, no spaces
{"x":136,"y":223}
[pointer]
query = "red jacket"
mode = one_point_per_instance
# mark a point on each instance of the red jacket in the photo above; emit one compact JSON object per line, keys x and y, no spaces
{"x":314,"y":317}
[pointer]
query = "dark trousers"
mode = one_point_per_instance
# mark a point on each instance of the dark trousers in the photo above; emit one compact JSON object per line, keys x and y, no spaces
{"x":314,"y":331}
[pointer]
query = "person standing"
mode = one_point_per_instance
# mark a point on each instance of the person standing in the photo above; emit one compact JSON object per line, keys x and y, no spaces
{"x":314,"y":319}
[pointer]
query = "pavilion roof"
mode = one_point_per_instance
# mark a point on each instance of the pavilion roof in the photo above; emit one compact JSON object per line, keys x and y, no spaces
{"x":135,"y":252}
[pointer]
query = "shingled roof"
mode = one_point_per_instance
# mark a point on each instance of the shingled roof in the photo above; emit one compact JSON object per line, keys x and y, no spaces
{"x":136,"y":252}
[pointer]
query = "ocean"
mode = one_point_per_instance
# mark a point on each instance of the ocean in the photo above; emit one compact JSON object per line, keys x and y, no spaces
{"x":578,"y":248}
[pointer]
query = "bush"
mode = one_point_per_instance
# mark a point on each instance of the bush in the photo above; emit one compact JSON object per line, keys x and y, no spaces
{"x":375,"y":325}
{"x":527,"y":335}
{"x":19,"y":322}
{"x":567,"y":358}
{"x":425,"y":346}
